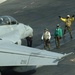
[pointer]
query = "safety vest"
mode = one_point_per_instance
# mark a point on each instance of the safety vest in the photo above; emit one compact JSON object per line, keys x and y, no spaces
{"x":67,"y":21}
{"x":58,"y":32}
{"x":46,"y":35}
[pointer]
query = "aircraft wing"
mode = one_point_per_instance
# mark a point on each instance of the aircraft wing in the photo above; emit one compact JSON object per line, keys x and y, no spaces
{"x":17,"y":55}
{"x":12,"y":36}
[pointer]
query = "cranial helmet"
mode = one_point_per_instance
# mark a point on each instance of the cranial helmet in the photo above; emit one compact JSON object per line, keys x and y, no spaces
{"x":58,"y":25}
{"x":68,"y":15}
{"x":45,"y":29}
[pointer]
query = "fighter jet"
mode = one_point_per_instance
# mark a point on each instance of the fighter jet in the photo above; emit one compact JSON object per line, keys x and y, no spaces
{"x":12,"y":30}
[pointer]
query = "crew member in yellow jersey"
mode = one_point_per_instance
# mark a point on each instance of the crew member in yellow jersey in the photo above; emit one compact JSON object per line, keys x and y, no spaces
{"x":68,"y":20}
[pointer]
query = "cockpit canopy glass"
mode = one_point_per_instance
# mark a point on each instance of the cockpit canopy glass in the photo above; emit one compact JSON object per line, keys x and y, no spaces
{"x":7,"y":20}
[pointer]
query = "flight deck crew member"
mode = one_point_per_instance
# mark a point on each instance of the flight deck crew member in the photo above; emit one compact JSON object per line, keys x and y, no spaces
{"x":46,"y":38}
{"x":68,"y":20}
{"x":29,"y":40}
{"x":58,"y":35}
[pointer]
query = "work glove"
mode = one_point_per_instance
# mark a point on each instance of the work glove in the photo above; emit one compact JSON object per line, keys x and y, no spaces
{"x":72,"y":15}
{"x":59,"y":16}
{"x":60,"y":37}
{"x":54,"y":37}
{"x":41,"y":39}
{"x":48,"y":41}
